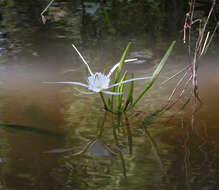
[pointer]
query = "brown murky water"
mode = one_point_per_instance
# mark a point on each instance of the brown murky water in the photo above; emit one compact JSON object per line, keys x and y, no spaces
{"x":66,"y":119}
{"x":44,"y":126}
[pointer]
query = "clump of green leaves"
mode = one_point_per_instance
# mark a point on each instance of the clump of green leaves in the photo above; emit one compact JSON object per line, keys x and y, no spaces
{"x":125,"y":103}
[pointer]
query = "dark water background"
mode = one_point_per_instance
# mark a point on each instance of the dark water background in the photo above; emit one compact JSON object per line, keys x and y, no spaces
{"x":177,"y":151}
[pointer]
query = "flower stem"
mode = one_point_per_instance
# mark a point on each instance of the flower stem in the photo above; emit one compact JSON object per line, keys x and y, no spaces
{"x":104,"y":102}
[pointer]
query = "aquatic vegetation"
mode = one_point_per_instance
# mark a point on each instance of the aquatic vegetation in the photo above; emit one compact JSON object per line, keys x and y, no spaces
{"x":123,"y":105}
{"x":100,"y":82}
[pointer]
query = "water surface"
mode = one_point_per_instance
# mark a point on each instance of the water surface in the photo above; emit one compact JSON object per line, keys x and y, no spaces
{"x":43,"y":127}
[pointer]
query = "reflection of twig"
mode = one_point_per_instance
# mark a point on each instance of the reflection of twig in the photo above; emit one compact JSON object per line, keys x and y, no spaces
{"x":187,"y":158}
{"x":101,"y":126}
{"x":43,"y":17}
{"x":97,"y":138}
{"x":206,"y":140}
{"x":85,"y":148}
{"x":129,"y":133}
{"x":62,"y":150}
{"x":87,"y":145}
{"x":117,"y":144}
{"x":156,"y":153}
{"x":199,"y":154}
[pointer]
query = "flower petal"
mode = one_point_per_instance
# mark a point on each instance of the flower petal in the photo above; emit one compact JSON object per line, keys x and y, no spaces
{"x":83,"y":92}
{"x":82,"y":59}
{"x":67,"y":82}
{"x":98,"y":82}
{"x":126,"y":81}
{"x":117,"y":64}
{"x":113,"y":69}
{"x":111,"y":93}
{"x":130,"y":60}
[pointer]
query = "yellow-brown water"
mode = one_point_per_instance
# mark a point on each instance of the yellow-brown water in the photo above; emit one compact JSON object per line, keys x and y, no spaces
{"x":42,"y":126}
{"x":68,"y":120}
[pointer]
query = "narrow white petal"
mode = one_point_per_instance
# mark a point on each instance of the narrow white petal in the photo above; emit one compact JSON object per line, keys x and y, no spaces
{"x":75,"y":83}
{"x":82,"y":59}
{"x":130,"y":60}
{"x":117,"y":64}
{"x":83,"y":92}
{"x":126,"y":81}
{"x":111,"y":93}
{"x":113,"y":69}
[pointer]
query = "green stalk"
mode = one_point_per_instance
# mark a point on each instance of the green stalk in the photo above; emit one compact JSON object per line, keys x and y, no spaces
{"x":119,"y":70}
{"x":130,"y":94}
{"x":120,"y":90}
{"x":104,"y":101}
{"x":155,"y":74}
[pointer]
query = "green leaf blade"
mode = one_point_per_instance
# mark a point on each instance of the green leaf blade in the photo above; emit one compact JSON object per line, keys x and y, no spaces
{"x":120,"y":90}
{"x":119,"y":70}
{"x":155,"y":74}
{"x":130,"y":94}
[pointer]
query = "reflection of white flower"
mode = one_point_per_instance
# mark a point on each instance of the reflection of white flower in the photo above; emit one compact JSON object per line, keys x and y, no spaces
{"x":99,"y":82}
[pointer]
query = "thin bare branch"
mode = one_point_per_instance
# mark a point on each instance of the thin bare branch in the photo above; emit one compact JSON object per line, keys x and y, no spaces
{"x":206,"y":39}
{"x":212,"y":36}
{"x":177,"y":86}
{"x":181,"y":71}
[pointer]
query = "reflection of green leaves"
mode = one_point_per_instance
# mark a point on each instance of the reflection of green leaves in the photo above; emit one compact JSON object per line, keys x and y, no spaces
{"x":150,"y":119}
{"x":106,"y":16}
{"x":129,"y":133}
{"x":36,"y":115}
{"x":118,"y":146}
{"x":33,"y":130}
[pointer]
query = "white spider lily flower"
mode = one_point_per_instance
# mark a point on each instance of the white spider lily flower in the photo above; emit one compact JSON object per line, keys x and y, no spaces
{"x":99,"y":82}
